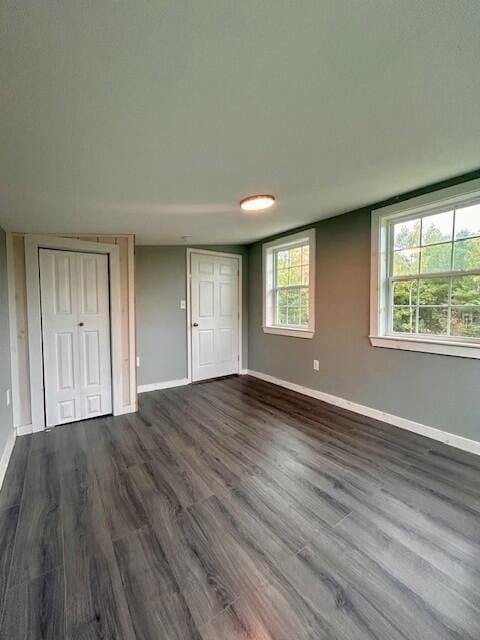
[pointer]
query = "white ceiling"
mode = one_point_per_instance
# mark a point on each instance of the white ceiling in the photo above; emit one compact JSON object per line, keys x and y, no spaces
{"x":157,"y":117}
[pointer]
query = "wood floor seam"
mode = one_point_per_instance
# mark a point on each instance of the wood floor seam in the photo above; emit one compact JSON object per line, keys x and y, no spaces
{"x":342,"y":520}
{"x":41,"y":575}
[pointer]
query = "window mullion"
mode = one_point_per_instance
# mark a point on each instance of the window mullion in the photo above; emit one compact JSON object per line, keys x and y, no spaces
{"x":436,"y":274}
{"x":292,"y":286}
{"x":276,"y":287}
{"x":453,"y":239}
{"x":420,"y":250}
{"x":417,"y":306}
{"x":449,"y":312}
{"x":417,"y":303}
{"x":389,"y":292}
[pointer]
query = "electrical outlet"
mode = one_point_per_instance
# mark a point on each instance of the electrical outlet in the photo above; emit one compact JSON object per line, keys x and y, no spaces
{"x":8,"y":397}
{"x":316,"y":365}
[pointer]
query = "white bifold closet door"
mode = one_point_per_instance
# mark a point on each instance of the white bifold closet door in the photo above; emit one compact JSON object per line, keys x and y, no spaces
{"x":214,"y":315}
{"x":76,"y":335}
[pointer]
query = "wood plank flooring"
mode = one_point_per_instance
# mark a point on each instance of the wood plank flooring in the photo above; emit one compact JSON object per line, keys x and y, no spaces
{"x":238,"y":510}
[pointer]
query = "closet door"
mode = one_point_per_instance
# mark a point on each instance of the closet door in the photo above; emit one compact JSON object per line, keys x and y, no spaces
{"x":76,"y":335}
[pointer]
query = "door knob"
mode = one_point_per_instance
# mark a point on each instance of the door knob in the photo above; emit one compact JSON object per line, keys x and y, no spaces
{"x":195,"y":324}
{"x":80,"y":324}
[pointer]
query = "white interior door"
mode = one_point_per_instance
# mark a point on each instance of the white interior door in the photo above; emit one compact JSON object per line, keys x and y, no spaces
{"x":214,"y":315}
{"x":75,"y":304}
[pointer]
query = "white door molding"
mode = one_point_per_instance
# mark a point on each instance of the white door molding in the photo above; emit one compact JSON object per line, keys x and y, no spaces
{"x":32,"y":245}
{"x":207,"y":252}
{"x":132,"y":328}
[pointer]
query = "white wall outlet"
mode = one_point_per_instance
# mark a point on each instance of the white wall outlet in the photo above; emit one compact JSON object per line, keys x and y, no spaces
{"x":183,"y":304}
{"x":8,"y":397}
{"x":138,"y":361}
{"x":316,"y":365}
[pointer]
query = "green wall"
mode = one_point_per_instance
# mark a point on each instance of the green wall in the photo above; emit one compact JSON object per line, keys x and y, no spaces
{"x":439,"y":391}
{"x":161,"y":324}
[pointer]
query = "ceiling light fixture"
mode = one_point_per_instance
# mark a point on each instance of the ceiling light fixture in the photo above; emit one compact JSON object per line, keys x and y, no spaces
{"x":257,"y":202}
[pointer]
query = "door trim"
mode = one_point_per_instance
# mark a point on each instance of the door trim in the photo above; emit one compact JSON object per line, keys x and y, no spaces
{"x":206,"y":252}
{"x":35,"y":351}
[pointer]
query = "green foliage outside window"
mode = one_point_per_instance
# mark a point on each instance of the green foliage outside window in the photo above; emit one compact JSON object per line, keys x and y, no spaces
{"x":292,"y":279}
{"x":437,"y":305}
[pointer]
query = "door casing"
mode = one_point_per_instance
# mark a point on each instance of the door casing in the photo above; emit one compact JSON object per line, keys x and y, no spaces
{"x":189,"y":304}
{"x":32,"y":245}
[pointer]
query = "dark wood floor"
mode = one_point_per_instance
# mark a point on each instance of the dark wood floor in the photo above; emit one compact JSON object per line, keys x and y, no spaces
{"x":237,"y":509}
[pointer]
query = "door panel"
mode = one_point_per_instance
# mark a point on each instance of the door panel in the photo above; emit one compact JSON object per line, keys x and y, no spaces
{"x":89,"y":276}
{"x":76,"y":335}
{"x":94,"y":404}
{"x":91,"y":351}
{"x":62,"y":285}
{"x":65,"y":374}
{"x":206,"y":299}
{"x":67,"y":411}
{"x":225,"y":345}
{"x":214,"y":295}
{"x":206,"y":347}
{"x":205,"y":266}
{"x":225,"y":290}
{"x":226,"y":270}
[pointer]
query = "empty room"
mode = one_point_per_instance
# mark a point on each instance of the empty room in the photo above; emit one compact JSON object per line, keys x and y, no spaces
{"x":240,"y":320}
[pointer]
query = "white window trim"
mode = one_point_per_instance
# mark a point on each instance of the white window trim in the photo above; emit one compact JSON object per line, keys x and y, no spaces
{"x":379,"y":336}
{"x":268,"y":306}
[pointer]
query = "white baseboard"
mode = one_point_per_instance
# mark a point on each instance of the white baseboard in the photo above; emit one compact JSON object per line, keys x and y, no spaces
{"x":27,"y":429}
{"x":7,"y":452}
{"x":24,"y":430}
{"x":168,"y":384}
{"x":403,"y":423}
{"x":124,"y":410}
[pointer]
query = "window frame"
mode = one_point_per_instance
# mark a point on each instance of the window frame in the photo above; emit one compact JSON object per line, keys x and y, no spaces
{"x":381,"y":290}
{"x":269,"y":291}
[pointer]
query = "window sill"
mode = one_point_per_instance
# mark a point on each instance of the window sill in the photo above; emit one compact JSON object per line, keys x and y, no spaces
{"x":428,"y":345}
{"x":285,"y":331}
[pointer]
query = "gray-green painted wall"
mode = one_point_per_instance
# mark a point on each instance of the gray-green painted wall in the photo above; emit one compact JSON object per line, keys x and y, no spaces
{"x":161,"y":324}
{"x":439,"y":391}
{"x":6,"y":416}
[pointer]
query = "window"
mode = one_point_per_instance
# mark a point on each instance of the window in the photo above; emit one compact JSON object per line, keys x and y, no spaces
{"x":289,"y":285}
{"x":426,"y":275}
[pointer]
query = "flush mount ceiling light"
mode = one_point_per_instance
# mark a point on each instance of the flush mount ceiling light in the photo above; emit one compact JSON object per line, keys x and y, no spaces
{"x":257,"y":202}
